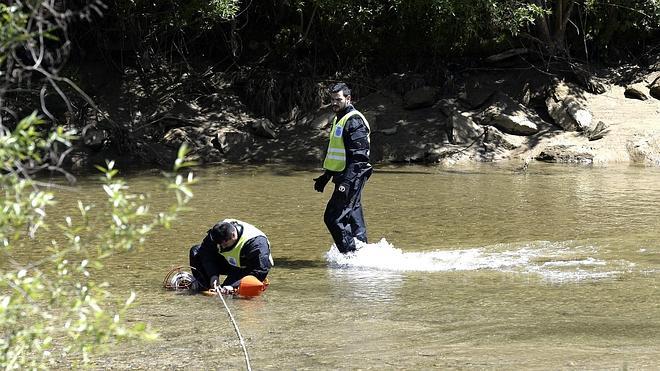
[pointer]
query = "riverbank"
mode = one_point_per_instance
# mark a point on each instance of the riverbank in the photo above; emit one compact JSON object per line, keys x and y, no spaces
{"x":485,"y":114}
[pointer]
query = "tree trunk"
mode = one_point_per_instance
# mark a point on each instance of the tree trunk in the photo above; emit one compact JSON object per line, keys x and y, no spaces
{"x":564,"y":8}
{"x":552,"y":27}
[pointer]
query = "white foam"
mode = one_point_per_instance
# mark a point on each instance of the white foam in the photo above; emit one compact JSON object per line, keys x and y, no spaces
{"x":554,"y":261}
{"x":574,"y":263}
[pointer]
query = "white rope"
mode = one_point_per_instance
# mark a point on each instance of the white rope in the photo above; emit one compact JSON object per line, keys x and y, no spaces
{"x":238,"y":332}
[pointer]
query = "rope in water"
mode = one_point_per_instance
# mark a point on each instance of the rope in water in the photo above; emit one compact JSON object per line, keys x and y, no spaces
{"x":238,"y":332}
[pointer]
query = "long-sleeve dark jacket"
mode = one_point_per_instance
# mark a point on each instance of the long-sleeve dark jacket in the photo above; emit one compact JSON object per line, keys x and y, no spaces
{"x":356,"y":143}
{"x":255,"y":258}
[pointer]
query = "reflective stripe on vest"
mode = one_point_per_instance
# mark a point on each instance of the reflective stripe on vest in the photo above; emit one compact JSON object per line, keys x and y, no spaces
{"x":233,"y":256}
{"x":335,"y":158}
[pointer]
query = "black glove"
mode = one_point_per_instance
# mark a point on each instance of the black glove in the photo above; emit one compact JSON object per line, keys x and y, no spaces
{"x":320,"y":182}
{"x":343,"y":189}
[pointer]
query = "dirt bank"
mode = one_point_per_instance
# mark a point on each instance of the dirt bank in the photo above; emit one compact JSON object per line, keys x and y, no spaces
{"x":412,"y":120}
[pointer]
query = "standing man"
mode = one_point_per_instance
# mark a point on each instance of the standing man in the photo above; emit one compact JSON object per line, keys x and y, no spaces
{"x":347,"y":164}
{"x":232,"y":248}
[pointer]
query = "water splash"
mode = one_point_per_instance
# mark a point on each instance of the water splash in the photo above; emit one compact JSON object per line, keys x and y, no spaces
{"x":554,"y":261}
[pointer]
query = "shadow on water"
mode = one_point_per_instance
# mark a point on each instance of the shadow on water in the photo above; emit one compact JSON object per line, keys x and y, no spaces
{"x":297,"y":263}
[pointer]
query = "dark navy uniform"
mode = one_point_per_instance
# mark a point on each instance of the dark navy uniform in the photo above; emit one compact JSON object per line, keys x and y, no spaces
{"x":343,"y":215}
{"x":207,"y":261}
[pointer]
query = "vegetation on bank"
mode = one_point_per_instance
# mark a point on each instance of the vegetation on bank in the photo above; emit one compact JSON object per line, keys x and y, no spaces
{"x":280,"y":54}
{"x":55,"y":308}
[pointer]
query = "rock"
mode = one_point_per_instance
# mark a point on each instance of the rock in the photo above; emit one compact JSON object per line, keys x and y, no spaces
{"x":654,"y":88}
{"x":598,"y":131}
{"x":636,"y":91}
{"x":175,"y":137}
{"x":264,"y":128}
{"x":568,"y":109}
{"x":228,"y":139}
{"x":510,"y":116}
{"x":420,"y":98}
{"x":578,"y":112}
{"x":645,"y":150}
{"x":516,"y":124}
{"x":475,"y":94}
{"x":507,"y":141}
{"x":323,"y":118}
{"x":569,"y":154}
{"x":462,"y":129}
{"x":389,"y":131}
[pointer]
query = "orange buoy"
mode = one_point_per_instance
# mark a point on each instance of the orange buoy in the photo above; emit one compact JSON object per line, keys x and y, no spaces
{"x":251,"y":286}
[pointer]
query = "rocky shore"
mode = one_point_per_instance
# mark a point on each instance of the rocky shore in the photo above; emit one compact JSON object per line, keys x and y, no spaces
{"x":484,"y":115}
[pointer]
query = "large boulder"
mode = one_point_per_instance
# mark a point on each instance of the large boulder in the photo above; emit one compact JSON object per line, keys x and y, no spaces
{"x":567,"y":107}
{"x":502,"y":140}
{"x":510,"y":116}
{"x":654,"y":88}
{"x":462,"y":129}
{"x":645,"y":150}
{"x":567,"y":153}
{"x":321,"y":120}
{"x":636,"y":91}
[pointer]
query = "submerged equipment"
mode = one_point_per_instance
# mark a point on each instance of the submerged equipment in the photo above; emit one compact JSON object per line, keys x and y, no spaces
{"x":179,"y":279}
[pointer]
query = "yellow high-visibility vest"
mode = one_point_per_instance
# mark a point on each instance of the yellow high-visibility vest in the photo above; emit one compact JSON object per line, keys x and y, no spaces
{"x":233,"y":256}
{"x":335,"y":157}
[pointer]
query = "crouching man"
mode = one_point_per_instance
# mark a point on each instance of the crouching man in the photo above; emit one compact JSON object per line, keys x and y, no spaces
{"x":231,"y":248}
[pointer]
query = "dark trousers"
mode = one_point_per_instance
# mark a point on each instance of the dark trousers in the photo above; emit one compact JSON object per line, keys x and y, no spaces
{"x":344,"y":218}
{"x":208,"y":265}
{"x":198,"y":270}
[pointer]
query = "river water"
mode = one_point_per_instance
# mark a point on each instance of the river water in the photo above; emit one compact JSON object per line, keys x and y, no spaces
{"x":469,"y":268}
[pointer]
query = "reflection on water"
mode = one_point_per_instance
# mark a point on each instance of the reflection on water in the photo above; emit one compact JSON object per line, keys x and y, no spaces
{"x":369,"y":285}
{"x":474,"y":268}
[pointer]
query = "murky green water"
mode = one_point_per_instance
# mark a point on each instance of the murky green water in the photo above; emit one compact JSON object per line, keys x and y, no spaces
{"x":468,"y":268}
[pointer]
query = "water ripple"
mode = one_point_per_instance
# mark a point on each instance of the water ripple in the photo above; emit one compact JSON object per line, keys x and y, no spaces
{"x":553,"y":261}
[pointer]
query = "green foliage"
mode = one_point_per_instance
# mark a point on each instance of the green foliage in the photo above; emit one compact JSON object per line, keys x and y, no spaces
{"x":342,"y":35}
{"x":12,"y":26}
{"x":512,"y":17}
{"x":23,"y":150}
{"x":620,"y":23}
{"x":165,"y":16}
{"x":222,"y":9}
{"x":56,"y":307}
